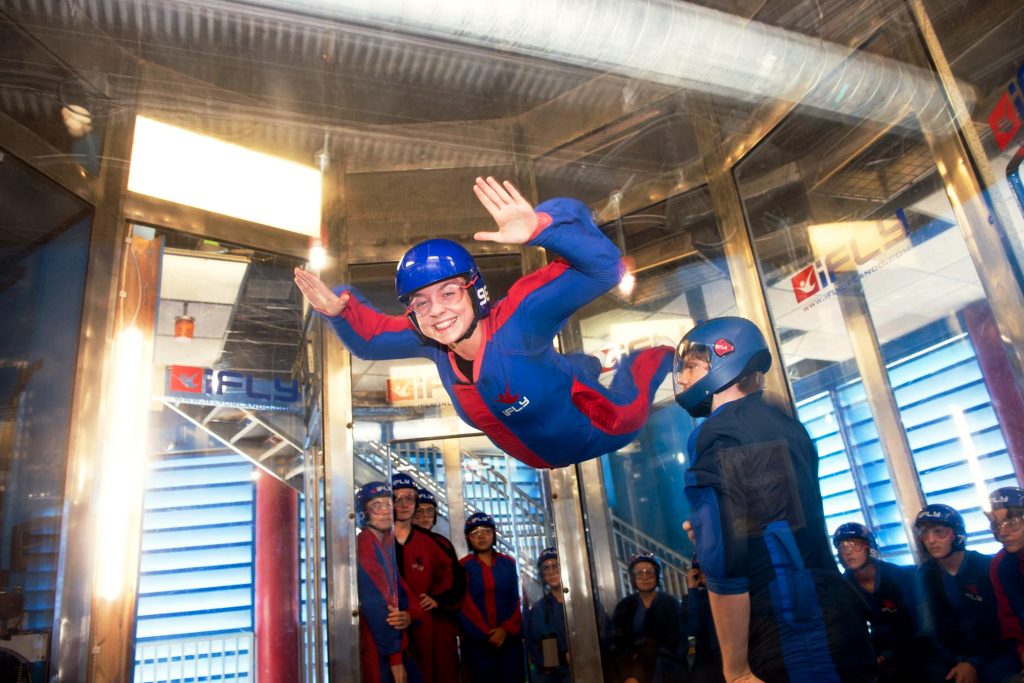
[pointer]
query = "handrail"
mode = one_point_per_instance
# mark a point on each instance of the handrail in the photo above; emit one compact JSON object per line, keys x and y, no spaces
{"x":531,"y":524}
{"x":529,"y":518}
{"x":225,"y":657}
{"x":628,"y":540}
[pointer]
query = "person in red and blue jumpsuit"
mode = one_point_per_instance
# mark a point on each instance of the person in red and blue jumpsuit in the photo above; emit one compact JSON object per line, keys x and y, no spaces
{"x":384,"y":609}
{"x":498,"y":362}
{"x":446,"y":617}
{"x":491,"y":617}
{"x":433,"y":578}
{"x":1007,"y":568}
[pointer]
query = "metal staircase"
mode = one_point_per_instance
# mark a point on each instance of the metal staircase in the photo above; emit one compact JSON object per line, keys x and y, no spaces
{"x":522,"y":520}
{"x":522,"y":517}
{"x":249,"y":433}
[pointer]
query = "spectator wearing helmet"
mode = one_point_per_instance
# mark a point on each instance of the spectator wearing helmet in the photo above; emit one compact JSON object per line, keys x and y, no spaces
{"x":384,"y":610}
{"x":425,"y":516}
{"x":1007,"y":568}
{"x":649,"y":641}
{"x":546,"y":643}
{"x":888,"y":590}
{"x":758,"y":520}
{"x":491,"y":617}
{"x":434,"y":579}
{"x":520,"y":392}
{"x":446,"y":619}
{"x":957,"y":604}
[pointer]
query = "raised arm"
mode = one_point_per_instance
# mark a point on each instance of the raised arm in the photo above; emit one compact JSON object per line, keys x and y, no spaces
{"x":364,"y":330}
{"x":588,"y":267}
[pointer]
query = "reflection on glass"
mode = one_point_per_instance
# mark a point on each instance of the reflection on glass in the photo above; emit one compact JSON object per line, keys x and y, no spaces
{"x":221,"y":527}
{"x":681,"y":277}
{"x":44,"y":241}
{"x":870,"y":223}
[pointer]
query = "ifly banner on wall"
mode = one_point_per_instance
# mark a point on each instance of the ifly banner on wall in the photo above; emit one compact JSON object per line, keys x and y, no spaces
{"x":210,"y":387}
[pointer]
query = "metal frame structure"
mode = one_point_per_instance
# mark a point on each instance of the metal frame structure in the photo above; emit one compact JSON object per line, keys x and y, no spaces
{"x":961,"y":163}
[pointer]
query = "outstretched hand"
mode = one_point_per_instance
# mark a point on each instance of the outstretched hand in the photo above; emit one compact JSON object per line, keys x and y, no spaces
{"x":319,"y":295}
{"x":513,"y":215}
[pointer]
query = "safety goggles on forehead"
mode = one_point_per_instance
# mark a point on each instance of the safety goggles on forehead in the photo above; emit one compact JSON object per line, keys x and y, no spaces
{"x":450,"y":294}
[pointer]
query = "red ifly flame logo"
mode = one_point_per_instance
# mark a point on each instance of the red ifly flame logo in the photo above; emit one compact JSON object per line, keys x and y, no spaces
{"x":1005,"y":119}
{"x":723,"y":348}
{"x":508,"y":397}
{"x":805,"y":283}
{"x":187,"y":378}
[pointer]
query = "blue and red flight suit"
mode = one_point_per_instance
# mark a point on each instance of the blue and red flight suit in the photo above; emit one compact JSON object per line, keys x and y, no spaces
{"x":428,"y":568}
{"x":891,"y":604}
{"x":960,"y":618}
{"x":381,"y":646}
{"x":492,"y":601}
{"x":524,"y":395}
{"x":760,"y":529}
{"x":1007,"y":575}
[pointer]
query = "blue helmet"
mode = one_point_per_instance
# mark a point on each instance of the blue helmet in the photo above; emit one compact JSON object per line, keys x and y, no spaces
{"x":435,"y":260}
{"x":425,"y":497}
{"x":644,"y":556}
{"x":732,"y":347}
{"x":368,"y":492}
{"x":547,"y":554}
{"x":478,"y":519}
{"x":937,"y":513}
{"x":1009,"y":498}
{"x":852,"y":530}
{"x":401,"y":480}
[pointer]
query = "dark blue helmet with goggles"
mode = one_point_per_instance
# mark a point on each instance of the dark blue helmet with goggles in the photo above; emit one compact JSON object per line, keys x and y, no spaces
{"x":937,"y":513}
{"x":477,"y":520}
{"x":732,"y":347}
{"x":856,"y":530}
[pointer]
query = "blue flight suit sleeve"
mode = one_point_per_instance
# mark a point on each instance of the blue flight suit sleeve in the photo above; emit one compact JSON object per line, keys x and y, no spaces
{"x":371,"y":335}
{"x":588,"y":267}
{"x":714,"y":506}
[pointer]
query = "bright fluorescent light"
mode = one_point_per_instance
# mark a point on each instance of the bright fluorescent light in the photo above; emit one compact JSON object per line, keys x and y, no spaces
{"x":123,"y":470}
{"x":196,"y":170}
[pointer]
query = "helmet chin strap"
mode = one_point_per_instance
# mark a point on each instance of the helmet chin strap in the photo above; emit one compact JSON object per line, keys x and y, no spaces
{"x":469,"y":332}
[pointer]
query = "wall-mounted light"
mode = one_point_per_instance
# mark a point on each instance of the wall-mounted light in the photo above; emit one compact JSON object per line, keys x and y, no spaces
{"x":184,"y":326}
{"x":317,"y":255}
{"x":627,"y":283}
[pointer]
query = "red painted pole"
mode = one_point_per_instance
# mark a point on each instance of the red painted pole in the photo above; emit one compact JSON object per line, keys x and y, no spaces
{"x":277,"y":581}
{"x":999,"y":378}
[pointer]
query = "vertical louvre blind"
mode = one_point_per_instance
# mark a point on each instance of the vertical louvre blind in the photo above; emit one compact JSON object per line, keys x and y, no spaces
{"x":197,"y":562}
{"x":948,"y":416}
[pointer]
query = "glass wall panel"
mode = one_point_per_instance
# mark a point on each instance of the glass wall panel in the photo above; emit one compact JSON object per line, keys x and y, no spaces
{"x":226,"y":455}
{"x":44,"y":231}
{"x":860,"y":230}
{"x":982,"y":45}
{"x":681,"y":278}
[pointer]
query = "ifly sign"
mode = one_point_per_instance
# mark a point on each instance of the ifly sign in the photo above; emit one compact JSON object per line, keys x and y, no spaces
{"x":207,"y":386}
{"x":1008,"y":114}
